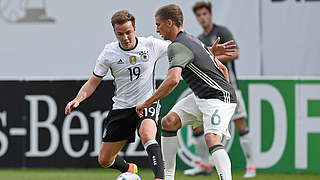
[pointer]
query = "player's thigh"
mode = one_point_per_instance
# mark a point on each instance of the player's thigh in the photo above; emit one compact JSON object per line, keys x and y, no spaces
{"x":188,"y":111}
{"x":120,"y":125}
{"x":109,"y":150}
{"x":216,"y":116}
{"x":147,"y":124}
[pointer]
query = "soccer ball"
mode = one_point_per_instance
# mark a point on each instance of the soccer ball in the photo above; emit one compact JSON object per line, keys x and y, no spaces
{"x":128,"y":176}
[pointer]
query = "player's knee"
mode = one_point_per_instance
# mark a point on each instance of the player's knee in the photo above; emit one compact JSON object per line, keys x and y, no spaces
{"x":170,"y":123}
{"x":212,"y":139}
{"x":104,"y":161}
{"x":165,"y":123}
{"x":198,"y":131}
{"x":240,"y":124}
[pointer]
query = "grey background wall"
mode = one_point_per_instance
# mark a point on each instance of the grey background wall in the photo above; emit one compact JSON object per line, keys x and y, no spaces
{"x":69,"y":35}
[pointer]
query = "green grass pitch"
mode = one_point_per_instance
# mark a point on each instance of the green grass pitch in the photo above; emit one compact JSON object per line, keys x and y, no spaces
{"x":145,"y":174}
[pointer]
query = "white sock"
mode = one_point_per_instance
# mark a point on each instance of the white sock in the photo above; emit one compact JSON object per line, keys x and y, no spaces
{"x":245,"y":142}
{"x":222,"y":162}
{"x":202,"y":150}
{"x":169,"y":147}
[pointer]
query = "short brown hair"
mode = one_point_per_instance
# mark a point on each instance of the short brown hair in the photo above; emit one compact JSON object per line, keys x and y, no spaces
{"x":122,"y":17}
{"x":200,"y":5}
{"x":172,"y":12}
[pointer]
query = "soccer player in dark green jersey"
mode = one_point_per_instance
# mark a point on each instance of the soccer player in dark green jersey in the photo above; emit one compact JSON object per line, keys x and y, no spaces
{"x":211,"y":32}
{"x":212,"y":102}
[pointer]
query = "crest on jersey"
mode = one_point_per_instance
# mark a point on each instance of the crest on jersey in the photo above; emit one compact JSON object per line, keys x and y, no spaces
{"x":144,"y":56}
{"x":133,"y":60}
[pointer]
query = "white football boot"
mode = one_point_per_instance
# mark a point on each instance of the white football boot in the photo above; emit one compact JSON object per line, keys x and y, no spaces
{"x":200,"y":169}
{"x":250,"y":172}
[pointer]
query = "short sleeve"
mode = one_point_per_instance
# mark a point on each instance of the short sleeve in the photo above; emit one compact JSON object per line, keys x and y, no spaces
{"x":225,"y":35}
{"x":179,"y":55}
{"x":160,"y":47}
{"x":101,"y":68}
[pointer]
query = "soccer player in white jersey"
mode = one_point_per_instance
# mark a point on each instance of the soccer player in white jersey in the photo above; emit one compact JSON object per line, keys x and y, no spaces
{"x":131,"y":60}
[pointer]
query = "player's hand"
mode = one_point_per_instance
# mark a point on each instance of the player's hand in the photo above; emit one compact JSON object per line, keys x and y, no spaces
{"x":226,"y":48}
{"x":71,"y":105}
{"x":139,"y":108}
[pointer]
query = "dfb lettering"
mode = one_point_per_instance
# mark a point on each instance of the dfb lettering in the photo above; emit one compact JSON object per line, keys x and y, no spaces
{"x":257,"y":93}
{"x":304,"y":124}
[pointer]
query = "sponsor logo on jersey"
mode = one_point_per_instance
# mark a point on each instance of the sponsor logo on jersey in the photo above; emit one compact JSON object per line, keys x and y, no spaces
{"x":133,"y":60}
{"x":144,"y":56}
{"x":120,"y":62}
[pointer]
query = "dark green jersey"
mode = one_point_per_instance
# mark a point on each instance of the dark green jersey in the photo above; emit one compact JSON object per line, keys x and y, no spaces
{"x":200,"y":70}
{"x":225,"y":35}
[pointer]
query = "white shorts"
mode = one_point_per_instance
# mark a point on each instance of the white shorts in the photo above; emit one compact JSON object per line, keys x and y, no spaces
{"x":240,"y":111}
{"x":214,"y":114}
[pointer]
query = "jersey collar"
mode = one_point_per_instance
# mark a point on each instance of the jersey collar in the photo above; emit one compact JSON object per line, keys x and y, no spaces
{"x":180,"y":32}
{"x":131,"y":48}
{"x":214,"y":27}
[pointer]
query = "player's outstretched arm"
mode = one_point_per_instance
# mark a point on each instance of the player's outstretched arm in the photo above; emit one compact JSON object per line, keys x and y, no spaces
{"x":227,"y":48}
{"x":86,"y":90}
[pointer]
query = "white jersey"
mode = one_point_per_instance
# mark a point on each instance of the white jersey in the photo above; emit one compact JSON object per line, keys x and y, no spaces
{"x":133,"y":70}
